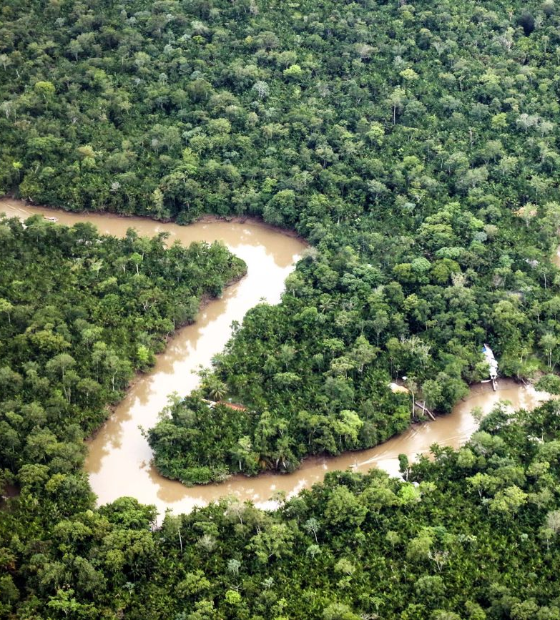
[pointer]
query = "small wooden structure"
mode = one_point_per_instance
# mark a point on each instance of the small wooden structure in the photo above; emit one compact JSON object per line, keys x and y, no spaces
{"x":396,"y":389}
{"x":232,"y":405}
{"x":225,"y":403}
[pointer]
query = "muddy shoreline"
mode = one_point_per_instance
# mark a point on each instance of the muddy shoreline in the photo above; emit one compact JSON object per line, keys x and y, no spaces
{"x":119,"y":458}
{"x":205,"y":218}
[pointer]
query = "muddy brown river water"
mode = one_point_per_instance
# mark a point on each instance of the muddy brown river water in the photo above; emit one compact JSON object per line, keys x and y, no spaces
{"x":119,"y":458}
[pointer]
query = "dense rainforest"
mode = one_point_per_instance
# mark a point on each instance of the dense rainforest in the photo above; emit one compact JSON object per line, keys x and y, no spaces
{"x":472,"y":535}
{"x":79,"y":313}
{"x":416,"y":147}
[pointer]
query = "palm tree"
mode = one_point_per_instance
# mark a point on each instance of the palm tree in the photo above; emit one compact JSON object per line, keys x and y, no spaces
{"x":216,"y":388}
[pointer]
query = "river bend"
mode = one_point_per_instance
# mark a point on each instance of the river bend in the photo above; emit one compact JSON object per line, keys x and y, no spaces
{"x":119,"y":457}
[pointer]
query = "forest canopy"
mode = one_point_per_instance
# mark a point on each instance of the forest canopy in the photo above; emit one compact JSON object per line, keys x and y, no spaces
{"x":79,"y":313}
{"x":415,"y":146}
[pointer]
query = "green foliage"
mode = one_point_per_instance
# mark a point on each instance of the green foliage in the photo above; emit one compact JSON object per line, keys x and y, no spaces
{"x":415,"y":147}
{"x":437,"y":549}
{"x":76,"y":322}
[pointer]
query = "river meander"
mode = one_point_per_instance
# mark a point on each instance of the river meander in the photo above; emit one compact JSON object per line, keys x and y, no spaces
{"x":119,"y":458}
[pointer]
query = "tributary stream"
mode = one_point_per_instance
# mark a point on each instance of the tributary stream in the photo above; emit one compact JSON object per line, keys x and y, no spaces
{"x":119,"y":458}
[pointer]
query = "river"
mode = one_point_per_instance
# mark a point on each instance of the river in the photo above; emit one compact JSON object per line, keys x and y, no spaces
{"x":119,"y":458}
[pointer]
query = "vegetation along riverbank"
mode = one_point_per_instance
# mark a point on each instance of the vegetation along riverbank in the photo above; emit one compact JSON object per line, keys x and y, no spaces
{"x":415,"y":146}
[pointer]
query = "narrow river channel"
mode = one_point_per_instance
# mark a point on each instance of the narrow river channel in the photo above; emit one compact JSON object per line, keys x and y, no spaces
{"x":119,"y":458}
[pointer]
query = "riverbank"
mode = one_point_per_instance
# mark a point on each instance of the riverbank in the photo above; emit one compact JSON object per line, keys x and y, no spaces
{"x":206,"y":218}
{"x":452,"y":430}
{"x":119,"y":459}
{"x":205,"y":300}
